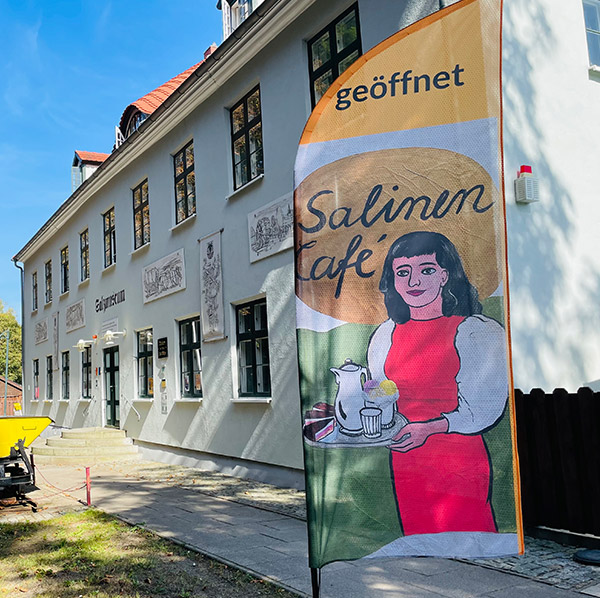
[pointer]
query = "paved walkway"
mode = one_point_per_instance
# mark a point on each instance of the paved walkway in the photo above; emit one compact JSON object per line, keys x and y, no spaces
{"x":261,"y":529}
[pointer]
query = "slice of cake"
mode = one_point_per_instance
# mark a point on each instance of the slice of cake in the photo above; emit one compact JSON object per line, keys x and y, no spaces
{"x":317,"y":429}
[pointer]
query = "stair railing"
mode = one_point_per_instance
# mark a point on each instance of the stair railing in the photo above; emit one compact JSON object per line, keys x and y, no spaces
{"x":126,"y":400}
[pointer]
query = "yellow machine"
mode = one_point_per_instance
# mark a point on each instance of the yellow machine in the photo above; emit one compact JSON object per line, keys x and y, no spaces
{"x":13,"y":429}
{"x":17,"y":472}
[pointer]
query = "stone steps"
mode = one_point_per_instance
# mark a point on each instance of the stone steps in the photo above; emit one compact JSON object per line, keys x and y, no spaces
{"x":85,"y":451}
{"x":82,"y":460}
{"x":73,"y":442}
{"x":94,"y":433}
{"x":86,"y":446}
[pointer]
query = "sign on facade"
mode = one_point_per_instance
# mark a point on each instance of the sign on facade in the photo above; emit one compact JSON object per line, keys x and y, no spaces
{"x":163,"y":347}
{"x":112,"y":325}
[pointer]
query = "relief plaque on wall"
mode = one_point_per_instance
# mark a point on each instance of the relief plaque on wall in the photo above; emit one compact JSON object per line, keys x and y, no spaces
{"x":75,"y":315}
{"x":270,"y":228}
{"x":213,"y":321}
{"x":40,"y":331}
{"x":163,"y":277}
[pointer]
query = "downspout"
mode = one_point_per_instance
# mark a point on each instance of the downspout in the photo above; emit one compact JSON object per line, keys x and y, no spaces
{"x":22,"y":332}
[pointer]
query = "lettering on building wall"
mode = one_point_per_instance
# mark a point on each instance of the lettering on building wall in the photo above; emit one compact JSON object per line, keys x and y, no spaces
{"x":103,"y":303}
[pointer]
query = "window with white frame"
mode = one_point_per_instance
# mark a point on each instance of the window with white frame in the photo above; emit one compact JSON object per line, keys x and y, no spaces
{"x":86,"y":373}
{"x":190,"y":357}
{"x":49,"y":378}
{"x":66,"y":374}
{"x":332,"y":51}
{"x":64,"y":269}
{"x":110,"y":239}
{"x":84,"y":254}
{"x":36,"y":379}
{"x":145,"y":363}
{"x":48,"y":281}
{"x":253,"y":349}
{"x":34,"y":291}
{"x":591,"y":12}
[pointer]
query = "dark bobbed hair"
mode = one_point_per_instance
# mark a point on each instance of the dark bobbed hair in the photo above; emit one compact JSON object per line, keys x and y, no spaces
{"x":459,"y":296}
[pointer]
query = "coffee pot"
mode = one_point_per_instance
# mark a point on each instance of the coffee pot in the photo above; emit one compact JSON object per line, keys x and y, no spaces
{"x":350,"y":397}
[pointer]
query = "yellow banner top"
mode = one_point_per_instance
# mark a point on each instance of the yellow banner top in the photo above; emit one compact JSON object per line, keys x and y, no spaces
{"x":436,"y":76}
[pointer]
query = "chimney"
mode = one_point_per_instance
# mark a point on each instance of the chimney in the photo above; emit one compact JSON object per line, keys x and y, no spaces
{"x":210,"y":50}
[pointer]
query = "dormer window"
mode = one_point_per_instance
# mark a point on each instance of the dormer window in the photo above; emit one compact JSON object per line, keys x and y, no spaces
{"x":240,"y":11}
{"x":235,"y":12}
{"x":134,"y":122}
{"x":131,"y":120}
{"x":137,"y":112}
{"x":84,"y":164}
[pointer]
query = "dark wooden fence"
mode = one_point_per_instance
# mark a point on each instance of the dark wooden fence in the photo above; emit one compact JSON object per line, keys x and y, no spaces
{"x":558,"y":437}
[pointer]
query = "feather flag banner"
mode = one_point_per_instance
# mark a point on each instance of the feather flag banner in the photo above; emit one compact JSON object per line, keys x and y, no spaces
{"x":401,"y":294}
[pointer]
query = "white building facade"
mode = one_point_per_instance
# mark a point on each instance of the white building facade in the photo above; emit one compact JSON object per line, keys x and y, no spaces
{"x":173,"y":262}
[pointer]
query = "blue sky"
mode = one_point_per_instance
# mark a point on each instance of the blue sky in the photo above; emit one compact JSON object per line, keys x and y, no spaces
{"x":68,"y":69}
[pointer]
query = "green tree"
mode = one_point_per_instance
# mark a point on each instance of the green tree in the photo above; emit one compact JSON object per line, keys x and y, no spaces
{"x":8,"y":321}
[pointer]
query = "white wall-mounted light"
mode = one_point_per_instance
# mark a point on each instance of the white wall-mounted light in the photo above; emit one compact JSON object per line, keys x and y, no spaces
{"x":110,"y":335}
{"x":82,"y":344}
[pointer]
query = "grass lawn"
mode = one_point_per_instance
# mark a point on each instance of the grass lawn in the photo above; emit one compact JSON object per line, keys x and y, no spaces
{"x":93,"y":554}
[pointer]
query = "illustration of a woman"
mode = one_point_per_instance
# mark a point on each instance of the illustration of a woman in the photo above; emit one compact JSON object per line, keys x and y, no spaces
{"x":449,"y":364}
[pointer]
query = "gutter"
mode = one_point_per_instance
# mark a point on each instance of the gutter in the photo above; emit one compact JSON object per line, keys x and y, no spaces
{"x":260,"y":28}
{"x":14,"y":260}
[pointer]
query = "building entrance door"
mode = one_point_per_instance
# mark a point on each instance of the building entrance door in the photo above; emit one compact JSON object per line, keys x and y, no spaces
{"x":111,"y":382}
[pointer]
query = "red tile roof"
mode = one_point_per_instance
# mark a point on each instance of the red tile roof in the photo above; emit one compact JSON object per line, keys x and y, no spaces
{"x":96,"y":157}
{"x":151,"y":101}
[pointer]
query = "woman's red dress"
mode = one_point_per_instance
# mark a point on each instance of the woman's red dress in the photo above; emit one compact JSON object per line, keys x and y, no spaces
{"x":443,"y":485}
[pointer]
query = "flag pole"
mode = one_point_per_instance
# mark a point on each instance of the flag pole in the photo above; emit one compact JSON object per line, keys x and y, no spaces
{"x":315,"y":575}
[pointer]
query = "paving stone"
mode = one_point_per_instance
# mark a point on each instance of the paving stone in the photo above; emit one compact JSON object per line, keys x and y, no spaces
{"x":592,"y":590}
{"x":298,"y":548}
{"x":342,"y":585}
{"x":530,"y":589}
{"x":464,"y":583}
{"x":282,"y":568}
{"x":423,"y":565}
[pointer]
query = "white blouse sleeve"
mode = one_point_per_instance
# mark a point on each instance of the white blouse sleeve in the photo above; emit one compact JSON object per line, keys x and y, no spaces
{"x":379,"y":347}
{"x":483,"y":376}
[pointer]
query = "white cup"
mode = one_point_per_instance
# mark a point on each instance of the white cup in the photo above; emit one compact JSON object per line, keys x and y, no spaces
{"x":370,"y":418}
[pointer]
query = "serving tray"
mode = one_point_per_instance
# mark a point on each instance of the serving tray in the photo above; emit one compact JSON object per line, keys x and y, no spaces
{"x":338,"y":439}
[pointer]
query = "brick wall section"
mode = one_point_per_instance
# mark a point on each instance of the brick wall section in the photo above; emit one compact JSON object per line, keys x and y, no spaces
{"x":14,"y":394}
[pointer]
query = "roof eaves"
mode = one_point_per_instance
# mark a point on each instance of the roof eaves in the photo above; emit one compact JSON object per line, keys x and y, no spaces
{"x":202,"y":70}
